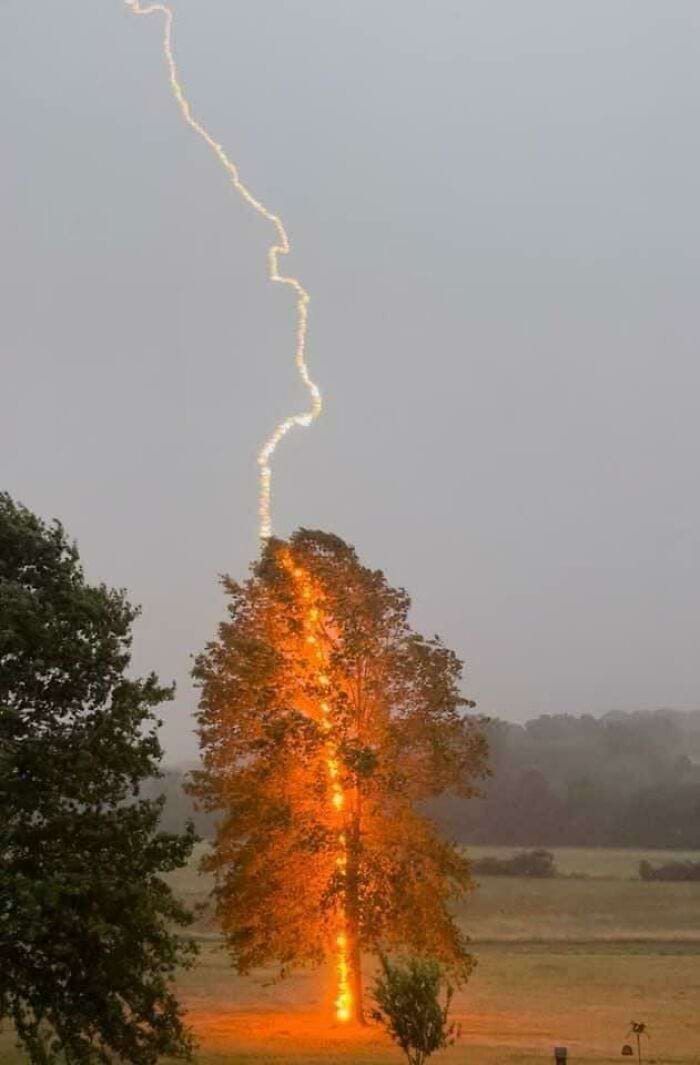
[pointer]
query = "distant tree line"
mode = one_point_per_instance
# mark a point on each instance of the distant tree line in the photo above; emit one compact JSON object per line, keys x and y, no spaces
{"x":621,"y":780}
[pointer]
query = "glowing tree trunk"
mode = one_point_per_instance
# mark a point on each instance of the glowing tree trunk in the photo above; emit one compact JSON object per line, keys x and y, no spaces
{"x":352,"y":915}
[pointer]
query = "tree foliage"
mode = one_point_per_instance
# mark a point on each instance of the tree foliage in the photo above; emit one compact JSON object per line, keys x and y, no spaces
{"x":86,"y":947}
{"x":400,"y":735}
{"x":408,"y":996}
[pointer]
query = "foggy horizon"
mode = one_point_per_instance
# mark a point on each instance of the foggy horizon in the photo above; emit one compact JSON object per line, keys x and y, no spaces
{"x":494,"y":212}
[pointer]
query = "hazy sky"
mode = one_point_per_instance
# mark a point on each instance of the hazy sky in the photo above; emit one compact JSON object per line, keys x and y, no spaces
{"x":495,"y":207}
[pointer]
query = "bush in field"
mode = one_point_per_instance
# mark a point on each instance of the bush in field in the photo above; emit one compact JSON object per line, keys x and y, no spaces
{"x":670,"y":871}
{"x":538,"y":864}
{"x":408,"y":997}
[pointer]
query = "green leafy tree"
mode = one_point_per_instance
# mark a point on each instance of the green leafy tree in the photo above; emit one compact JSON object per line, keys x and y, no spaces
{"x":325,"y":724}
{"x":408,"y":996}
{"x":87,"y":949}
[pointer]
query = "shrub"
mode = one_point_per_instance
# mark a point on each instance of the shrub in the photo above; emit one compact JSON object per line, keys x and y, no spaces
{"x":670,"y":871}
{"x":538,"y":863}
{"x":408,"y":996}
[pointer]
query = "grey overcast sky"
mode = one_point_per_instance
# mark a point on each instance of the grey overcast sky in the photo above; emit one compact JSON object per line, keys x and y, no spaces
{"x":494,"y":205}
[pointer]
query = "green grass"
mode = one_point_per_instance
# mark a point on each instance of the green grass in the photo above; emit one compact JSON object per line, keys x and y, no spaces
{"x":506,"y":908}
{"x":567,"y":961}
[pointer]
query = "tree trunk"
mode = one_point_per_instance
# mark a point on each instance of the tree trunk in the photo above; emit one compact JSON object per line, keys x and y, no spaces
{"x":355,"y":960}
{"x":352,"y":922}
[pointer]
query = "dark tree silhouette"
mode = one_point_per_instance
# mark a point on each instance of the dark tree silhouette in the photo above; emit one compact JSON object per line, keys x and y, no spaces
{"x":86,"y":946}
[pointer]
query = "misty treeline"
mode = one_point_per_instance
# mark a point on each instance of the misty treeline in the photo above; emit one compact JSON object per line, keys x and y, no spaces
{"x":621,"y":780}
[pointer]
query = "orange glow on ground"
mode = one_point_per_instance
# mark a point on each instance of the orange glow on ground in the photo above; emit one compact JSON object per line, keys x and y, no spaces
{"x":294,"y":1032}
{"x":248,"y":1030}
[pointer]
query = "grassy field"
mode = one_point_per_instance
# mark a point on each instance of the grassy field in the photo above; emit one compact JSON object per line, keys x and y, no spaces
{"x":612,"y":904}
{"x":566,"y":961}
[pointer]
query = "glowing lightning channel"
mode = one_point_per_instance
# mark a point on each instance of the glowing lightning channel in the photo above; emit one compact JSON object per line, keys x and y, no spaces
{"x":280,"y":247}
{"x":344,"y":998}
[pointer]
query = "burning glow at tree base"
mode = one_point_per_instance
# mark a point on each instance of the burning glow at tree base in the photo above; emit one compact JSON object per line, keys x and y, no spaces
{"x":343,"y":1003}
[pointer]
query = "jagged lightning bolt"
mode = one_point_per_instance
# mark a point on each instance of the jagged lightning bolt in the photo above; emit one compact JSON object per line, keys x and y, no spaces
{"x":280,"y":247}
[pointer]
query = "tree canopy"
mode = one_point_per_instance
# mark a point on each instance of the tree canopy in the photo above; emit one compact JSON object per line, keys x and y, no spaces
{"x":325,"y":723}
{"x":86,"y":943}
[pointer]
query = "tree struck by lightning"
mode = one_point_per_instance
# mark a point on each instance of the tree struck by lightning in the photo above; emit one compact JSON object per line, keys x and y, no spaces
{"x":325,"y":724}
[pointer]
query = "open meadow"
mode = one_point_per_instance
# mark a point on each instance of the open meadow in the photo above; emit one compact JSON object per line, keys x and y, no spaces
{"x":566,"y":961}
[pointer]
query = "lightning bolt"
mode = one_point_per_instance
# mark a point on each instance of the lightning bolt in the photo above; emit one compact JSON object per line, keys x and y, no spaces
{"x":281,"y":246}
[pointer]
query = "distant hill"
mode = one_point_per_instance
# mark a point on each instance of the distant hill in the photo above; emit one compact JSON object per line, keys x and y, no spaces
{"x":623,"y":780}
